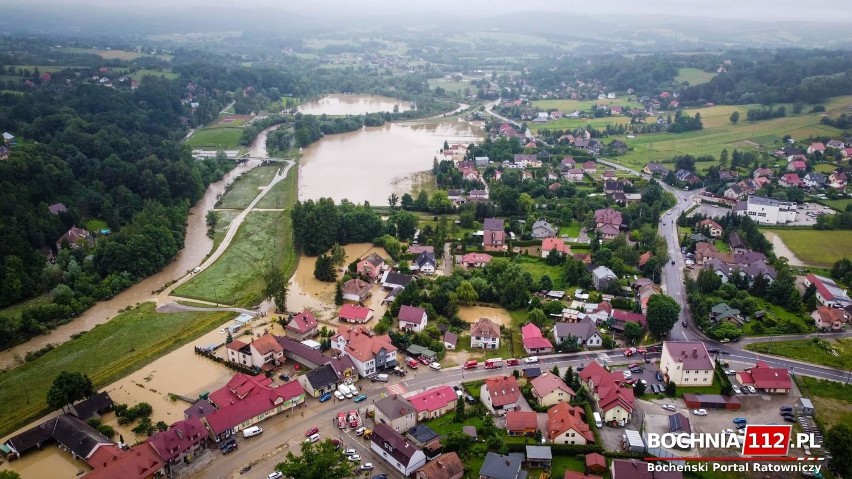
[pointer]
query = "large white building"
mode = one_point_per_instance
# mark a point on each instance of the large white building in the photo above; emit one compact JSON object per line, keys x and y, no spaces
{"x":767,"y":210}
{"x":687,"y":363}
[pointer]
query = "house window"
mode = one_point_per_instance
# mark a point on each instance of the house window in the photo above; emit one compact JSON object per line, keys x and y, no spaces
{"x":705,"y":380}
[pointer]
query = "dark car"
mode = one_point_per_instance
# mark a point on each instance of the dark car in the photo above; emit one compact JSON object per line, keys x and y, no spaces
{"x":684,"y":324}
{"x":227,"y":443}
{"x":637,"y":370}
{"x":659,"y":376}
{"x":229,"y":448}
{"x":380,"y":476}
{"x":283,"y":377}
{"x":325,"y":397}
{"x":713,"y":351}
{"x":789,"y":419}
{"x":786,"y":408}
{"x":470,"y":399}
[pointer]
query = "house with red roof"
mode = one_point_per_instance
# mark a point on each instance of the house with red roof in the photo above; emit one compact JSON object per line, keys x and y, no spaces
{"x":827,"y":318}
{"x":140,"y":462}
{"x":521,"y":423}
{"x":412,"y":318}
{"x":590,"y":167}
{"x":534,"y":342}
{"x":434,"y":402}
{"x":595,"y":462}
{"x":182,"y":441}
{"x":566,"y":425}
{"x":574,"y":175}
{"x":791,"y":180}
{"x":500,"y":394}
{"x":828,"y":293}
{"x":74,"y":238}
{"x":550,"y":389}
{"x":264,"y":352}
{"x":608,"y":222}
{"x":476,"y":260}
{"x":797,"y":165}
{"x":369,"y":353}
{"x":766,"y":379}
{"x":616,"y":403}
{"x":302,"y":326}
{"x":371,"y":266}
{"x":816,"y":148}
{"x":484,"y":334}
{"x":351,"y":313}
{"x":554,"y":244}
{"x":621,"y":317}
{"x":687,"y":363}
{"x":838,"y":180}
{"x":356,"y":290}
{"x":713,"y":227}
{"x":247,"y":400}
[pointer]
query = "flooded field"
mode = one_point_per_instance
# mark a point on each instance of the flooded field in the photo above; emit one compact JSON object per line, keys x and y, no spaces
{"x":340,"y":104}
{"x":471,"y":314}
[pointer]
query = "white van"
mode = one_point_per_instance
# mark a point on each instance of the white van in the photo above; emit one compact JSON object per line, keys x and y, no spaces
{"x":598,"y":421}
{"x":313,"y":438}
{"x":344,"y":389}
{"x":382,"y":378}
{"x":252,"y":431}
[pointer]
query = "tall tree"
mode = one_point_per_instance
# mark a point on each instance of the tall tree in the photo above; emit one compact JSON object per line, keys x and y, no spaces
{"x":838,"y":440}
{"x":275,"y":287}
{"x":393,"y":200}
{"x":338,"y":293}
{"x":68,"y":388}
{"x":465,"y":293}
{"x":537,"y":317}
{"x":663,"y":313}
{"x":317,"y":461}
{"x":633,"y":332}
{"x":324,"y":269}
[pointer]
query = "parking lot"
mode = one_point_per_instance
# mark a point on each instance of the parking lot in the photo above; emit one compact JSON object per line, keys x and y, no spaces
{"x":808,"y":213}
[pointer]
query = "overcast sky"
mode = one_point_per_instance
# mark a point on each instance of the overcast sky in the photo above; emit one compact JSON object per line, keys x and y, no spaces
{"x":757,"y":10}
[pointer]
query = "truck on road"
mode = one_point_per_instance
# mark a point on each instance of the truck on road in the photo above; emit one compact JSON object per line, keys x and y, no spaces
{"x":493,"y":363}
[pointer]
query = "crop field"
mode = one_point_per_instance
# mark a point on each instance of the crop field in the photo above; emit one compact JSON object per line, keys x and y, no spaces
{"x":693,"y":76}
{"x":833,"y":245}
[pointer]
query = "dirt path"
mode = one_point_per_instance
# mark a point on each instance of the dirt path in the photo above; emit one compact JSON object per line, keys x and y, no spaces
{"x":781,"y":249}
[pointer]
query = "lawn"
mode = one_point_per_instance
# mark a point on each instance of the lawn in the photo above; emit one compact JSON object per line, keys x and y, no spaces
{"x":450,"y":85}
{"x":139,"y":75}
{"x":722,"y":246}
{"x":223,"y":222}
{"x":264,"y":239}
{"x":568,"y":106}
{"x":839,"y":205}
{"x":809,"y":351}
{"x":245,"y":189}
{"x":571,"y":123}
{"x":537,"y":268}
{"x":96,"y":225}
{"x":832,"y":400}
{"x":716,"y":388}
{"x":693,"y":76}
{"x":216,"y":138}
{"x":777,"y":313}
{"x":109,"y":351}
{"x":107,"y":54}
{"x":572,"y":230}
{"x":826,"y":168}
{"x":283,"y":193}
{"x":833,"y":245}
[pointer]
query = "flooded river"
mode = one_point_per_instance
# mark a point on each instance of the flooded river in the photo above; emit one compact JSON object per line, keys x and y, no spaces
{"x":371,"y":163}
{"x":340,"y":104}
{"x":196,"y":247}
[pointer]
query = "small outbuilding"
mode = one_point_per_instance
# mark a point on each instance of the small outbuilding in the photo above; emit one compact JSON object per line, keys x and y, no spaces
{"x":806,"y":406}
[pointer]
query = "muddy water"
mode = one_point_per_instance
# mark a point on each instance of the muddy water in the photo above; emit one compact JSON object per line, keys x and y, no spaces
{"x":471,"y":314}
{"x":196,"y":247}
{"x":371,"y":163}
{"x":340,"y":104}
{"x":305,"y":291}
{"x":49,"y":462}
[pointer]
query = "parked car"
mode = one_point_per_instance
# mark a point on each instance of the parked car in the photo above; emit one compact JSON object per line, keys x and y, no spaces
{"x":742,"y":425}
{"x":786,"y":408}
{"x":637,"y":370}
{"x":349,"y":451}
{"x":659,"y":375}
{"x":362,"y":397}
{"x":730,"y":372}
{"x":736,"y":389}
{"x":470,"y":399}
{"x":751,"y":389}
{"x":627,"y":374}
{"x":229,"y":448}
{"x":325,"y":397}
{"x":227,"y":443}
{"x":512,"y":362}
{"x":740,"y":420}
{"x":275,"y":475}
{"x":367,"y":467}
{"x":380,"y":476}
{"x":684,"y":324}
{"x":360,"y":430}
{"x":339,"y":395}
{"x":713,"y":351}
{"x":531,"y":359}
{"x":424,"y":361}
{"x":283,"y":377}
{"x":789,"y":418}
{"x":310,"y":432}
{"x":459,"y":391}
{"x":669,"y":407}
{"x":700,"y":412}
{"x":435,"y":366}
{"x":354,"y":458}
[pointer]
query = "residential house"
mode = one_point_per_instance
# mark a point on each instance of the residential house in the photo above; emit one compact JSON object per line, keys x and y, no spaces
{"x":434,"y":402}
{"x":827,"y":318}
{"x":456,"y":196}
{"x":533,"y":341}
{"x":590,"y":167}
{"x":609,"y":175}
{"x":264,"y":352}
{"x":734,"y":192}
{"x":836,"y":144}
{"x":139,"y":462}
{"x":92,"y":407}
{"x":246,"y":400}
{"x":612,"y":187}
{"x":521,"y":423}
{"x":303,"y":326}
{"x":584,"y":330}
{"x":715,"y":229}
{"x":791,"y":180}
{"x":522,"y":160}
{"x":57,"y":208}
{"x":494,"y":235}
{"x":797,"y":165}
{"x":766,"y":379}
{"x":723,"y":312}
{"x":476,"y":260}
{"x":554,"y":244}
{"x":614,"y":402}
{"x":412,"y":318}
{"x":566,"y":425}
{"x":370,"y":354}
{"x":481,"y":161}
{"x":767,"y":210}
{"x":181,"y":442}
{"x":321,"y":380}
{"x":837,"y":180}
{"x":470,"y":174}
{"x":496,"y":466}
{"x":356,"y":290}
{"x":617,"y":145}
{"x":71,"y":433}
{"x":500,"y":394}
{"x":393,"y":279}
{"x":620,"y":317}
{"x":543,"y":229}
{"x":608,"y":222}
{"x":567,"y":163}
{"x":484,"y":334}
{"x":656,"y":169}
{"x":816,"y":148}
{"x":549,"y":389}
{"x":371,"y":266}
{"x":644,"y":294}
{"x":313,"y":358}
{"x":728,"y":175}
{"x":478,"y":195}
{"x":397,"y":412}
{"x":687,"y":363}
{"x":602,"y":277}
{"x":355,"y":314}
{"x":445,"y":466}
{"x":828,"y":293}
{"x":574,"y":175}
{"x":763,"y":173}
{"x":814,"y":180}
{"x":424,"y":263}
{"x":736,"y":243}
{"x":687,"y":177}
{"x":450,"y":340}
{"x":74,"y":238}
{"x":396,"y":450}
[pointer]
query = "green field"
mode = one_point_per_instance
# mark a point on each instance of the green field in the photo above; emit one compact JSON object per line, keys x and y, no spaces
{"x":777,"y":313}
{"x":832,"y":400}
{"x":41,"y":68}
{"x":808,"y":351}
{"x":693,"y":76}
{"x":833,"y":245}
{"x":106,"y":353}
{"x":572,"y":230}
{"x":568,"y":106}
{"x":450,"y":85}
{"x":826,"y":168}
{"x":283,"y":193}
{"x":246,"y":187}
{"x":96,"y":225}
{"x":570,"y":123}
{"x":216,"y":137}
{"x":223,"y":221}
{"x":264,"y":239}
{"x":537,"y":268}
{"x":139,"y":75}
{"x":839,"y":205}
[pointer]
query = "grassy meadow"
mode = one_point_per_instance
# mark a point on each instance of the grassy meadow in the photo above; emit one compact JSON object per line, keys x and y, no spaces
{"x":833,"y":245}
{"x":246,"y":187}
{"x":806,"y":350}
{"x":693,"y":76}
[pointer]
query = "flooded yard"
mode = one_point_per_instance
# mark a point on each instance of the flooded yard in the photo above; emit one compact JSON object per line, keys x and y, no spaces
{"x":471,"y":314}
{"x":340,"y":104}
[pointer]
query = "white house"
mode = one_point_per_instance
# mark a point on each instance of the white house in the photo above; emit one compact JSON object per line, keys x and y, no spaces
{"x":584,"y":330}
{"x":484,"y":334}
{"x":396,"y":450}
{"x":687,"y":363}
{"x":412,"y":318}
{"x":424,"y":263}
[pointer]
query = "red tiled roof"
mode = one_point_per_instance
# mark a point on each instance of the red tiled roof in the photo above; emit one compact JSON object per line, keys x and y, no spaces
{"x":563,"y":417}
{"x":236,"y":345}
{"x":820,"y":286}
{"x":692,"y":354}
{"x":302,"y":322}
{"x":521,"y":421}
{"x":547,"y":383}
{"x":476,"y":258}
{"x":595,"y":461}
{"x":140,"y":462}
{"x":179,"y":438}
{"x":411,"y":314}
{"x":643,"y":260}
{"x":264,"y":400}
{"x":765,"y":377}
{"x":557,"y":244}
{"x":350,"y":311}
{"x":484,"y":327}
{"x":239,"y":387}
{"x":433,"y":399}
{"x":623,"y":316}
{"x":267,"y":344}
{"x":608,"y":216}
{"x":503,"y":390}
{"x":828,"y":316}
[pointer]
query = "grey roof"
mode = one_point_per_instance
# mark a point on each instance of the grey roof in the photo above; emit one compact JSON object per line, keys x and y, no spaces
{"x":389,"y":440}
{"x":761,"y":201}
{"x":539,"y":452}
{"x":543,"y":224}
{"x":322,"y":376}
{"x":392,"y":277}
{"x":722,"y":311}
{"x":679,"y":423}
{"x":492,"y":224}
{"x":422,"y":433}
{"x":532,"y":372}
{"x":470,"y":431}
{"x":96,"y":404}
{"x":450,"y":337}
{"x":425,"y":257}
{"x":395,"y":407}
{"x":584,"y":329}
{"x":67,"y":430}
{"x":496,"y":466}
{"x":201,"y":408}
{"x":735,"y":241}
{"x":602,"y":272}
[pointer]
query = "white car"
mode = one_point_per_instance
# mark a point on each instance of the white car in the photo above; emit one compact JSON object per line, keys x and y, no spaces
{"x":349,"y":451}
{"x":700,"y":412}
{"x":531,"y":359}
{"x":731,"y":372}
{"x":339,"y":395}
{"x":644,"y":383}
{"x":275,"y":475}
{"x":367,"y":466}
{"x":627,"y":374}
{"x":435,"y":366}
{"x":360,"y":430}
{"x":736,"y":389}
{"x":354,"y":458}
{"x":669,"y":407}
{"x":751,"y":389}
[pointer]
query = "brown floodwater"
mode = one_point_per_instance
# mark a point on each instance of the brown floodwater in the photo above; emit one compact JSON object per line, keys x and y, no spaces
{"x":373,"y":162}
{"x":340,"y":104}
{"x":197,"y":246}
{"x":471,"y":314}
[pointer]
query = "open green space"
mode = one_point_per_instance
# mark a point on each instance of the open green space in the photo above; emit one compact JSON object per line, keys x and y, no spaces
{"x":537,"y":268}
{"x":450,"y":85}
{"x":722,"y":246}
{"x":263,"y":240}
{"x":41,"y":68}
{"x":817,"y":247}
{"x":216,"y":137}
{"x":693,"y":76}
{"x":832,"y":400}
{"x":568,"y":106}
{"x":96,"y":225}
{"x":106,"y":353}
{"x":15,"y":311}
{"x":571,"y":123}
{"x":223,"y":222}
{"x":810,"y":351}
{"x":139,"y":75}
{"x":825,"y":167}
{"x":839,"y":205}
{"x":776,"y":313}
{"x":245,"y":188}
{"x":283,"y":194}
{"x":572,"y":230}
{"x":716,"y":388}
